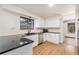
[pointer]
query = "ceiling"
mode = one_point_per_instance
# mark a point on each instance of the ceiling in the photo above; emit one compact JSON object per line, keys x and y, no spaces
{"x":44,"y":10}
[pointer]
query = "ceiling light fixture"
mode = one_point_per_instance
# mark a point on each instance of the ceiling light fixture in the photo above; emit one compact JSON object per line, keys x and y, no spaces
{"x":51,"y":3}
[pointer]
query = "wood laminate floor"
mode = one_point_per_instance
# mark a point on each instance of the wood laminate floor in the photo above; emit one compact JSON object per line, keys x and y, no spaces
{"x":48,"y":48}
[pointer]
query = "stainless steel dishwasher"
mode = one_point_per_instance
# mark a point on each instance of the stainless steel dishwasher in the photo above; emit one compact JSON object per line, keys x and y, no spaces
{"x":40,"y":38}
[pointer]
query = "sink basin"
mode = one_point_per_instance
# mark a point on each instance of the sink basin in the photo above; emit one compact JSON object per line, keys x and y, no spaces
{"x":24,"y":41}
{"x":21,"y":43}
{"x":30,"y":33}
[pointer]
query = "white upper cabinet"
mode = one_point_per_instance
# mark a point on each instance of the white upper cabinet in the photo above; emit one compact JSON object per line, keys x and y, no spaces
{"x":39,"y":22}
{"x":52,"y":22}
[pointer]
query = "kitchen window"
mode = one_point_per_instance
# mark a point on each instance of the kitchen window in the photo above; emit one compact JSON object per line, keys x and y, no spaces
{"x":26,"y":23}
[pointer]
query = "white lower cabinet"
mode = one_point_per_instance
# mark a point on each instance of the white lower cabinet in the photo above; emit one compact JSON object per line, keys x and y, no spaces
{"x":34,"y":38}
{"x":52,"y":37}
{"x":24,"y":50}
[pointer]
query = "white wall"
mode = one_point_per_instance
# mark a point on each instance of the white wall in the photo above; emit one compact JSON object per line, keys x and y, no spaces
{"x":8,"y":21}
{"x":53,"y":22}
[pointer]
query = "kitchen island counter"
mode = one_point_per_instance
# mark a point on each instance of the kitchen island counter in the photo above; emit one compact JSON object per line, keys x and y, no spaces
{"x":20,"y":46}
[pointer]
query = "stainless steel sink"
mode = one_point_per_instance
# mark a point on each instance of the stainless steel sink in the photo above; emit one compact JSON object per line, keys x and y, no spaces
{"x":24,"y":41}
{"x":21,"y":43}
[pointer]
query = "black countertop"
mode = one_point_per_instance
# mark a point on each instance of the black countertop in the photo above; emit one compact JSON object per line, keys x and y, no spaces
{"x":20,"y":45}
{"x":41,"y":33}
{"x":53,"y":32}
